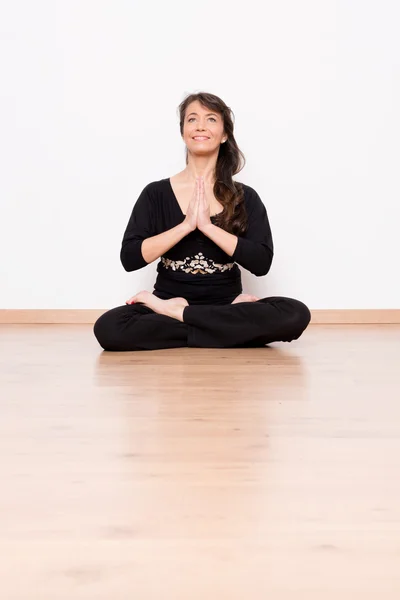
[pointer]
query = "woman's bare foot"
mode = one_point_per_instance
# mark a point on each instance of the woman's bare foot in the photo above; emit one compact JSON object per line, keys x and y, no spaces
{"x":171,"y":308}
{"x":245,"y":298}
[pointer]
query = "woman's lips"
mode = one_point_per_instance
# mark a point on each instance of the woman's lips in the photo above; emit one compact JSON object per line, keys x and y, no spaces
{"x":200,"y":139}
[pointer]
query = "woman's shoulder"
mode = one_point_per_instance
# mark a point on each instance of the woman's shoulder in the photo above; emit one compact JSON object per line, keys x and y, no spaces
{"x":251,"y":196}
{"x":154,"y":192}
{"x":255,"y":206}
{"x":248,"y":189}
{"x":157,"y":185}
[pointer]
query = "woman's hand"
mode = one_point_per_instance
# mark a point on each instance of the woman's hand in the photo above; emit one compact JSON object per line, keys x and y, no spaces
{"x":191,"y":212}
{"x":203,"y":214}
{"x":198,"y":211}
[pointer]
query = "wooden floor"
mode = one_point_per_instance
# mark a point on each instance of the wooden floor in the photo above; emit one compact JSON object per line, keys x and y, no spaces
{"x":200,"y":474}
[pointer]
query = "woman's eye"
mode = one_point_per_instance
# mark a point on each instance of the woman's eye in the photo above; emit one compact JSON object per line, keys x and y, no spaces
{"x":213,"y":118}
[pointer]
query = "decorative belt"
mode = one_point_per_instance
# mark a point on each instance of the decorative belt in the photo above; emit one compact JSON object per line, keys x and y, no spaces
{"x":196,"y":264}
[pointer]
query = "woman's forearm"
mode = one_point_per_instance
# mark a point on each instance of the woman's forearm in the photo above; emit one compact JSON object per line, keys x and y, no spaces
{"x":155,"y":246}
{"x":225,"y":240}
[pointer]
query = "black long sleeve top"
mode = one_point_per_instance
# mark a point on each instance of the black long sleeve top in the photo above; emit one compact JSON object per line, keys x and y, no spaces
{"x":196,"y":268}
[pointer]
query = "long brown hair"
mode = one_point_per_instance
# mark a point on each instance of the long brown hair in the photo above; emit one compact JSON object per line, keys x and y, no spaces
{"x":230,"y":161}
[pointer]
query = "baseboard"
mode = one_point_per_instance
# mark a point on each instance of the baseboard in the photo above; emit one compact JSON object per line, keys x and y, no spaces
{"x":355,"y":316}
{"x":51,"y":315}
{"x":318,"y":316}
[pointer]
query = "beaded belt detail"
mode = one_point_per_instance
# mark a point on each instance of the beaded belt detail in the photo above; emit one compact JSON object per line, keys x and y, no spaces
{"x":196,"y":264}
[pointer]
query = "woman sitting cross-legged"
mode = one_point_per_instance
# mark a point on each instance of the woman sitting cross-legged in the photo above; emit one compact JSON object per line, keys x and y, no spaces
{"x":201,"y":224}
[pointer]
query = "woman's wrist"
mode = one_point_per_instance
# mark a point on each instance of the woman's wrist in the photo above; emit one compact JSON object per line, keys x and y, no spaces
{"x":185,"y":227}
{"x":206,"y":228}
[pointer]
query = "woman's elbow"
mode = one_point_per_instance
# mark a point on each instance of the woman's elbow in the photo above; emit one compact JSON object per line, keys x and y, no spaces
{"x":263,"y":265}
{"x":131,"y":255}
{"x":128,"y":265}
{"x":261,"y":272}
{"x":131,"y":262}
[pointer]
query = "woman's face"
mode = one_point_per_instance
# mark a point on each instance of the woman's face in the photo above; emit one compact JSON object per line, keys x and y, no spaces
{"x":202,"y":122}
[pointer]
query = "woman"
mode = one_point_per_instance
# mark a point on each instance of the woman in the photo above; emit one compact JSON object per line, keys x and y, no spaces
{"x":201,"y":224}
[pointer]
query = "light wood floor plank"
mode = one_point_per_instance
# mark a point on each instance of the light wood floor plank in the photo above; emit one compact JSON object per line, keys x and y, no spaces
{"x":200,"y":474}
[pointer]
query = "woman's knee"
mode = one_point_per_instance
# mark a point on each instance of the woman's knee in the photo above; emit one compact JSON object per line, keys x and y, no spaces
{"x":114,"y":329}
{"x":101,"y":329}
{"x":300,"y":317}
{"x":105,"y":330}
{"x":294,"y":316}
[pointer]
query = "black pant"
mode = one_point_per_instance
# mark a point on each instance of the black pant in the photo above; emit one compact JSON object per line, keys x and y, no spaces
{"x":245,"y":324}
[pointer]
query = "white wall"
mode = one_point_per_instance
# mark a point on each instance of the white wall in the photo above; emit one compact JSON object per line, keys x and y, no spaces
{"x":89,"y":97}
